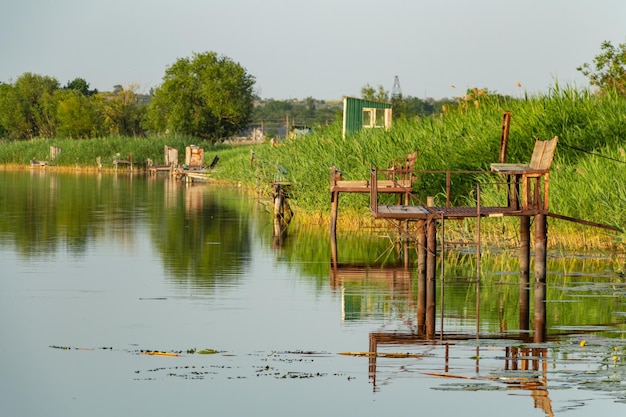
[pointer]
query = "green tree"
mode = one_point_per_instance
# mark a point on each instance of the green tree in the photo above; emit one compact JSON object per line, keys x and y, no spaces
{"x":76,"y":115}
{"x":121,"y":113}
{"x":370,"y":93}
{"x":27,"y":107}
{"x":608,"y":70}
{"x":80,"y":85}
{"x":209,"y":96}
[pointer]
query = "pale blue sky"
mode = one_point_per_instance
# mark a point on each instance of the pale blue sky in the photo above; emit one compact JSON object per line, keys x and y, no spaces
{"x":324,"y":49}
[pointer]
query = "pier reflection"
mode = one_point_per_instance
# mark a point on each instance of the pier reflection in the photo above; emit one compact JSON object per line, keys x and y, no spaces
{"x":436,"y":343}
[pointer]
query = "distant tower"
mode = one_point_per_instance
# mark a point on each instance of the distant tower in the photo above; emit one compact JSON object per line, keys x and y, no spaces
{"x":396,"y":91}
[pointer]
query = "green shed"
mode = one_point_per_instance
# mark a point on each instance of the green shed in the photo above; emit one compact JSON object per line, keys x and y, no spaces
{"x":364,"y":114}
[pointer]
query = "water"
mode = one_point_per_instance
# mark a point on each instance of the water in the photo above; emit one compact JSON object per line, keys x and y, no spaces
{"x":98,"y":271}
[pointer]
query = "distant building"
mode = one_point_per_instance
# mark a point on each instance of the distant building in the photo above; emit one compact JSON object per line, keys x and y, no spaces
{"x":365,"y":114}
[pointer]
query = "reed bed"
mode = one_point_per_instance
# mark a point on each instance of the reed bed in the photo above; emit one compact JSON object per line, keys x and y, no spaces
{"x":588,"y":174}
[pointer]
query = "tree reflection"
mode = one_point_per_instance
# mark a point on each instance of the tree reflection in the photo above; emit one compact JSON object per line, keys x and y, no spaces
{"x":201,"y":232}
{"x":203,"y":235}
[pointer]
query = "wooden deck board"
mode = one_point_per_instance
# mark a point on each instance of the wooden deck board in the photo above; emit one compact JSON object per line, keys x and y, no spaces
{"x":401,"y":212}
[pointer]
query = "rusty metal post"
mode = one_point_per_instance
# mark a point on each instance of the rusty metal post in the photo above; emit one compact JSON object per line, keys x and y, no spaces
{"x":431,"y":282}
{"x":421,"y":275}
{"x":540,"y":312}
{"x":541,"y":239}
{"x":524,"y":278}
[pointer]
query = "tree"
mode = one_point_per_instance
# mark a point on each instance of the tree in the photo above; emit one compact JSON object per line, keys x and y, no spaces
{"x":369,"y":93}
{"x":209,"y":96}
{"x":608,"y":71}
{"x":122,"y":114}
{"x":76,"y":116}
{"x":28,"y":107}
{"x":80,"y":85}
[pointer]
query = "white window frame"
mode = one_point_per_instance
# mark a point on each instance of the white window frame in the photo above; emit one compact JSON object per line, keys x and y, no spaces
{"x":378,"y":118}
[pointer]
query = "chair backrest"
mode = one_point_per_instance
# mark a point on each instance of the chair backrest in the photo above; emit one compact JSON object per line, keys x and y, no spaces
{"x":404,"y":171}
{"x":410,"y":161}
{"x":543,"y":154}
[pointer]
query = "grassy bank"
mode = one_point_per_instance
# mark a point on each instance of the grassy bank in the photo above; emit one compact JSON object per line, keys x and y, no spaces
{"x":588,"y":177}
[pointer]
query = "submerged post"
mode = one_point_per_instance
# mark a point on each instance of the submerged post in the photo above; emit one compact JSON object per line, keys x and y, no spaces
{"x":279,"y":213}
{"x":421,"y":275}
{"x":541,"y":238}
{"x":540,"y":312}
{"x":524,"y":265}
{"x":431,"y":283}
{"x":334,"y":200}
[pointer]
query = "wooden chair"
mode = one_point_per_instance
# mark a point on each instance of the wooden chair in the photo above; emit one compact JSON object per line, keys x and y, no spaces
{"x":402,"y":170}
{"x":399,"y":179}
{"x":530,"y":177}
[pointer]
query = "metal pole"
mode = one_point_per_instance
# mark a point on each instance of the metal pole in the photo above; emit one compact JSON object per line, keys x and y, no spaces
{"x":541,"y":237}
{"x":524,"y":282}
{"x":421,"y":275}
{"x":431,"y":283}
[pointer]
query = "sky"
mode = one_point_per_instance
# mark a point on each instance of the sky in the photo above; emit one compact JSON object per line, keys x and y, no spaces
{"x":325,"y":49}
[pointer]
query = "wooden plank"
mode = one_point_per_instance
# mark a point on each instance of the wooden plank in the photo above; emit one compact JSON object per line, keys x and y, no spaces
{"x":510,"y":169}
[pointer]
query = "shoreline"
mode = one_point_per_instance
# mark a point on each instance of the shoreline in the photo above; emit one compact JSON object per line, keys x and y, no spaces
{"x":564,"y":238}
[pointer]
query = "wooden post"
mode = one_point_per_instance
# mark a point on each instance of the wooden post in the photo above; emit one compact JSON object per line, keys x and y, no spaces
{"x":504,"y":138}
{"x":524,"y":264}
{"x":334,"y":202}
{"x":421,"y":276}
{"x":431,"y":283}
{"x":333,"y":252}
{"x":334,"y":208}
{"x":278,"y":210}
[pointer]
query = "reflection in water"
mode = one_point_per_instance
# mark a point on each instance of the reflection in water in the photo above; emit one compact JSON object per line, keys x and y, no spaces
{"x":522,"y":361}
{"x":193,"y":240}
{"x":202,"y":233}
{"x":203,"y":238}
{"x":513,"y":357}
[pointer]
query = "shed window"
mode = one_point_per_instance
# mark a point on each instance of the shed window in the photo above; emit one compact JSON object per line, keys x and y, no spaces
{"x":373,"y":117}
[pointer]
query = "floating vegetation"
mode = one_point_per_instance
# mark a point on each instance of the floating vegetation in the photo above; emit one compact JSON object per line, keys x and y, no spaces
{"x":469,"y":387}
{"x":384,"y":354}
{"x":207,"y":352}
{"x":150,"y":352}
{"x":158,"y":353}
{"x":79,"y":348}
{"x":478,"y":365}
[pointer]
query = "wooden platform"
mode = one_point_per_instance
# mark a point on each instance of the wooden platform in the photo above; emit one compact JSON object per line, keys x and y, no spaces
{"x":402,"y":212}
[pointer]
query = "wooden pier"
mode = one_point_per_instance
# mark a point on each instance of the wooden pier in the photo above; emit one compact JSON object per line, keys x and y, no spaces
{"x":527,"y":188}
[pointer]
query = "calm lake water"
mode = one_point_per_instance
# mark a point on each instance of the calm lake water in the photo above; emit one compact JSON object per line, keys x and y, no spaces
{"x":97,"y":271}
